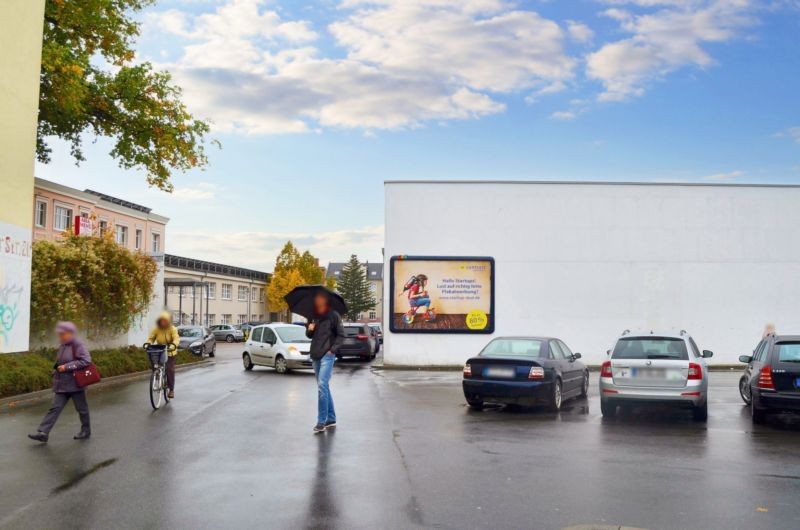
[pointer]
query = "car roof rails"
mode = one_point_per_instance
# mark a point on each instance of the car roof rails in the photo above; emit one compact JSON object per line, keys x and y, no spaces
{"x":626,"y":332}
{"x":683,"y":332}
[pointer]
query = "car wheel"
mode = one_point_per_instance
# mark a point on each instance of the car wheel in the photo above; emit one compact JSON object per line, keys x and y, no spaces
{"x":744,"y":390}
{"x":475,"y":404}
{"x":609,"y":410}
{"x":280,"y":365}
{"x":759,"y":415}
{"x":701,"y":413}
{"x":585,"y":385}
{"x":229,"y":338}
{"x":555,"y":399}
{"x":247,"y":362}
{"x":213,"y":351}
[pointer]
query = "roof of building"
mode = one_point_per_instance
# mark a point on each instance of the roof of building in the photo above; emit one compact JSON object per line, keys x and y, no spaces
{"x":597,"y":183}
{"x":374,"y":270}
{"x":102,"y":200}
{"x":120,"y":202}
{"x":191,"y":264}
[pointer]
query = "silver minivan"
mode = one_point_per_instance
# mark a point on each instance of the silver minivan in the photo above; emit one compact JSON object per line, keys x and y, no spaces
{"x":655,"y":368}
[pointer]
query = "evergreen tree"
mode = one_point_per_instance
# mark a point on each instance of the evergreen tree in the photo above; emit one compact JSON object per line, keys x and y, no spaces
{"x":354,"y":288}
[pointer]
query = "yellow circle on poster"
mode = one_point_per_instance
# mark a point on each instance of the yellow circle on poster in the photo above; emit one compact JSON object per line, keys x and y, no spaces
{"x":477,"y":319}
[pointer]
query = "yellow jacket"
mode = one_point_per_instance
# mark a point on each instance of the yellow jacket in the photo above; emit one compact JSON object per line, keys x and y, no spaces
{"x":165,"y":336}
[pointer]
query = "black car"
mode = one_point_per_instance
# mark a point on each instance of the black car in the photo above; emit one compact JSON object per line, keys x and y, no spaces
{"x":525,"y":371}
{"x":771,"y":381}
{"x":359,"y":341}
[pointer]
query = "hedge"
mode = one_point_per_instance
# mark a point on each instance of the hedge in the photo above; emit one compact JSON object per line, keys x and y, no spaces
{"x":21,"y":373}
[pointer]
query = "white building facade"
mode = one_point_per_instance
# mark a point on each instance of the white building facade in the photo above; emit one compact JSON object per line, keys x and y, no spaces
{"x":585,"y":261}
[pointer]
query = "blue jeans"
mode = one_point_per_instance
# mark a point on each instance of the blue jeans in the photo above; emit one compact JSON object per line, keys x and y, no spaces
{"x":421,"y":301}
{"x":323,"y":369}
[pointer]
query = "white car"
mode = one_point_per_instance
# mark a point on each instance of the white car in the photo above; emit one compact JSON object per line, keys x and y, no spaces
{"x":283,"y":347}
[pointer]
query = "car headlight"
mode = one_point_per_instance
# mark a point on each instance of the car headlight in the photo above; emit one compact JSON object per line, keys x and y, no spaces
{"x":195,"y":344}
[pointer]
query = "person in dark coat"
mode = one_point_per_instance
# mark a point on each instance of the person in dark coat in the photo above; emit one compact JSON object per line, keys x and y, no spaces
{"x":72,"y":355}
{"x":326,"y":333}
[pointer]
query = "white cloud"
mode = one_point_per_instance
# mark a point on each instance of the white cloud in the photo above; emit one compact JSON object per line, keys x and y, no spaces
{"x":257,"y":250}
{"x":662,"y":41}
{"x":579,"y":32}
{"x":564,"y":115}
{"x":794,"y":132}
{"x":203,"y":192}
{"x":722,"y":177}
{"x":405,"y":63}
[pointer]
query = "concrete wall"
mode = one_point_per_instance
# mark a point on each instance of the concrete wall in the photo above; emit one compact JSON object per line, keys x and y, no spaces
{"x":585,"y":261}
{"x":20,"y":56}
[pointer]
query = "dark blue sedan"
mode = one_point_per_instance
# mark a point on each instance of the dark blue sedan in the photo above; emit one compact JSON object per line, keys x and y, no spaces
{"x":525,"y":371}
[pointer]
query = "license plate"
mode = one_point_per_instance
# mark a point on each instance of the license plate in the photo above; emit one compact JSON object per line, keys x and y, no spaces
{"x":500,"y":372}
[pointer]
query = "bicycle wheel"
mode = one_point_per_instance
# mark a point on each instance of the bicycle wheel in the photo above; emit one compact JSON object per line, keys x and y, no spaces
{"x":156,"y":386}
{"x":166,"y":388}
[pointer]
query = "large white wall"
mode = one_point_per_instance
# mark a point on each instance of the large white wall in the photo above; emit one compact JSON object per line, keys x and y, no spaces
{"x":584,"y":261}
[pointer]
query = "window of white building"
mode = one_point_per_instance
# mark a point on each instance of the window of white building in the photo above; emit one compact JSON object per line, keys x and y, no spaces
{"x":226,"y":291}
{"x":242,"y":293}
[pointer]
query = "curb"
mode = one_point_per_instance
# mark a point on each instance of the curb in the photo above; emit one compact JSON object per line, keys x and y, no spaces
{"x":23,"y":400}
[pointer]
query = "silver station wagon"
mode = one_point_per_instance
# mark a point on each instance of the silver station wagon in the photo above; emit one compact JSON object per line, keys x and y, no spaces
{"x":655,"y":368}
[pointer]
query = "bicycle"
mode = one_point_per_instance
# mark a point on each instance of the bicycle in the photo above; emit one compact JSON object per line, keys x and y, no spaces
{"x":159,"y":392}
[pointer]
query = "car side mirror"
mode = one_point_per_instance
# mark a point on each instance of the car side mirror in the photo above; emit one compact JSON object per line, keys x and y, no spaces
{"x":746,"y":359}
{"x":707,"y":354}
{"x":608,"y":352}
{"x":576,"y":356}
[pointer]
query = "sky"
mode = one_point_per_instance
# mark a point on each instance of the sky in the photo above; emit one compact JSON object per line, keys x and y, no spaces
{"x":316,"y":104}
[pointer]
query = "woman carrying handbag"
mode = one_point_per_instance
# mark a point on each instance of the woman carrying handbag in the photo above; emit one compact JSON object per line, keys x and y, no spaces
{"x":72,"y":356}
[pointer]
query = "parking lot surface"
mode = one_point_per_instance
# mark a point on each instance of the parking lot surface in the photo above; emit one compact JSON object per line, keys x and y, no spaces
{"x":235,"y":449}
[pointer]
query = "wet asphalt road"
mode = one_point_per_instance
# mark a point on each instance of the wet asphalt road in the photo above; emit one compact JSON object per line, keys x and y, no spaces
{"x":236,"y":450}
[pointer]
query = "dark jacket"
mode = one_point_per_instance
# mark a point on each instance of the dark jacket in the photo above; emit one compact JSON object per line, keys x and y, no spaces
{"x":327,"y":335}
{"x":74,"y":356}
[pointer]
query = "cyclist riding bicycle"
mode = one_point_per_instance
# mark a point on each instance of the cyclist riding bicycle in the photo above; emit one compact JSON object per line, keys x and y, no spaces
{"x":167,"y":335}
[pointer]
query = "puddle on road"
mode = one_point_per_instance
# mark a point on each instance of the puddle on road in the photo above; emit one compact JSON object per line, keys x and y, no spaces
{"x":82,"y":475}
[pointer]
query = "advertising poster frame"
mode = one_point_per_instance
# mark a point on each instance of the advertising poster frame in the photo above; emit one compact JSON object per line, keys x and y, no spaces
{"x":394,"y":299}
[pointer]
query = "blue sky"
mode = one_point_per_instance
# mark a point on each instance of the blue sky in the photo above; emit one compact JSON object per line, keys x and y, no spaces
{"x":316,"y":104}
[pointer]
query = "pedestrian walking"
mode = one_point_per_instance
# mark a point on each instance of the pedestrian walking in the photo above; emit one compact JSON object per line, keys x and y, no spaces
{"x":167,"y":335}
{"x":326,"y":333}
{"x":72,"y":355}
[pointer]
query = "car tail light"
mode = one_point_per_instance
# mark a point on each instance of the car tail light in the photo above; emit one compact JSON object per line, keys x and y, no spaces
{"x":362,"y":337}
{"x":605,"y":369}
{"x":765,"y":378}
{"x":695,"y":371}
{"x":537,"y":372}
{"x":467,"y":370}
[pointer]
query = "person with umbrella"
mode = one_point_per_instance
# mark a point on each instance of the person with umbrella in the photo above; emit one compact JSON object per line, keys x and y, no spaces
{"x":323,"y":310}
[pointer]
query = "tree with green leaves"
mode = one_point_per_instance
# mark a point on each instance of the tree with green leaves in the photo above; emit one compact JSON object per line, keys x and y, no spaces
{"x":123,"y":99}
{"x":354,"y":288}
{"x":92,"y":281}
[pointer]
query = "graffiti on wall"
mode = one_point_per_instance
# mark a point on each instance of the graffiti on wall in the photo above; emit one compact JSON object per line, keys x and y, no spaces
{"x":15,"y":283}
{"x":10,"y":296}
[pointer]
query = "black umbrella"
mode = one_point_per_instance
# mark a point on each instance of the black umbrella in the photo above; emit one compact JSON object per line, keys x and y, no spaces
{"x":301,"y":300}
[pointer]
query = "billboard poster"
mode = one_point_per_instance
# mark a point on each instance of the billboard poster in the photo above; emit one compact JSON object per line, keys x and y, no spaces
{"x":15,"y":287}
{"x":441,"y":294}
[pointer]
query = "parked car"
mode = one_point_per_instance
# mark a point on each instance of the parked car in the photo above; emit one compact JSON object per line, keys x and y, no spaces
{"x":359,"y":341}
{"x":227,"y":333}
{"x":283,"y":347}
{"x":378,"y":331}
{"x":525,"y":371}
{"x":198,"y":340}
{"x":655,"y":368}
{"x":771,"y":381}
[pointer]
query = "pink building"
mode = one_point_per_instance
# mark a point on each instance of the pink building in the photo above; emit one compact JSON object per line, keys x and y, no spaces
{"x":135,"y":227}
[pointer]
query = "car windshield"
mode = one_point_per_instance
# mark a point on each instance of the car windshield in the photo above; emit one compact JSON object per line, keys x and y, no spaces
{"x":292,"y":334}
{"x":789,"y":352}
{"x":189,"y":332}
{"x":513,"y":348}
{"x":651,"y":348}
